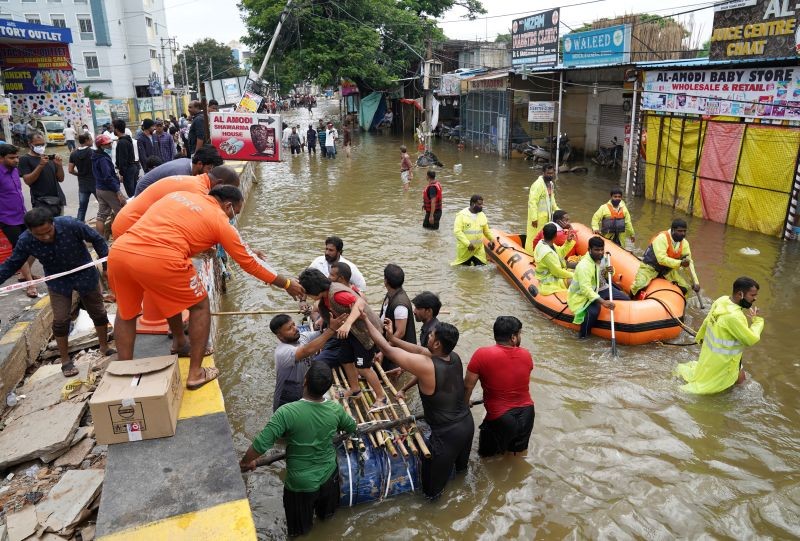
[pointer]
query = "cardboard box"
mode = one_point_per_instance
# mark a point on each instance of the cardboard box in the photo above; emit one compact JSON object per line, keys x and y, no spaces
{"x":137,"y":400}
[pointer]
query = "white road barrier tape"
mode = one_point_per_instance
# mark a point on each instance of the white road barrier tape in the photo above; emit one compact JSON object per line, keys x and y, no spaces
{"x":23,"y":285}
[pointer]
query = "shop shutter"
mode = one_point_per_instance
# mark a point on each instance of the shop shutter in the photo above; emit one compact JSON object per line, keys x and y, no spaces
{"x":612,"y":124}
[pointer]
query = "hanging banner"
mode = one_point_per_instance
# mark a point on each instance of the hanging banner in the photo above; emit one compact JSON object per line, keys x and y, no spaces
{"x":102,"y":114}
{"x":37,"y":69}
{"x":450,"y":85}
{"x":119,"y":110}
{"x":534,"y":39}
{"x":753,"y":93}
{"x":249,"y":103}
{"x":602,"y":46}
{"x":754,"y":29}
{"x":247,"y":137}
{"x":541,"y":111}
{"x":144,"y":105}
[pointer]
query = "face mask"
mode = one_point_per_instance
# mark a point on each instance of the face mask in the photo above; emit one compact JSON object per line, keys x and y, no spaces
{"x":477,"y":208}
{"x":548,"y":178}
{"x":678,"y":237}
{"x":744,"y":303}
{"x":39,"y":149}
{"x":615,"y":203}
{"x":107,"y":151}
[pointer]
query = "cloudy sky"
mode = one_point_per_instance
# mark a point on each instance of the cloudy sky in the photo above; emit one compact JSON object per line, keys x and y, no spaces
{"x":191,"y":20}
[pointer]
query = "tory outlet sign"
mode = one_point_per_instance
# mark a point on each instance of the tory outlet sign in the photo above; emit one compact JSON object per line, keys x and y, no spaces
{"x":34,"y":32}
{"x":601,"y":46}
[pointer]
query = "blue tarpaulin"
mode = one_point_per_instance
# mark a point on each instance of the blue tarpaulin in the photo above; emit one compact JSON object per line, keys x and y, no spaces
{"x":371,"y":111}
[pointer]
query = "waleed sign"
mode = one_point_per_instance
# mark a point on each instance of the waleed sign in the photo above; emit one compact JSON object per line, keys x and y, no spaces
{"x":534,"y":39}
{"x":754,"y":29}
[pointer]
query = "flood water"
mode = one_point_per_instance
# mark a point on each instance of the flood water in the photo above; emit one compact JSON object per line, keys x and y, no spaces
{"x":617,"y":451}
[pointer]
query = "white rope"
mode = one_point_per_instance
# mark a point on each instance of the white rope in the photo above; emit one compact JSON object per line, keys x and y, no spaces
{"x":389,"y":476}
{"x":23,"y":285}
{"x":349,"y":475}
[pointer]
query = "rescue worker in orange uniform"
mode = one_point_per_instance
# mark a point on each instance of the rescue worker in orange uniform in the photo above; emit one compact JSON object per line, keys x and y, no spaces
{"x":668,"y":252}
{"x":154,"y":258}
{"x":200,"y":184}
{"x":613,"y":220}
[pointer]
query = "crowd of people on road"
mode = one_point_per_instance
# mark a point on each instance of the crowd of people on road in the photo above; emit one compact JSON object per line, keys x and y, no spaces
{"x":186,"y":205}
{"x":298,"y":140}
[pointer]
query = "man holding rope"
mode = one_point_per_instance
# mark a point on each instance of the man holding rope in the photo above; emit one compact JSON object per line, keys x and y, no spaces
{"x":312,"y":475}
{"x":59,"y":245}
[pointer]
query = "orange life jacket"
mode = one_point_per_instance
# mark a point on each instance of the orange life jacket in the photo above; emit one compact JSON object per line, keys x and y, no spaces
{"x":426,"y":200}
{"x":614,"y":223}
{"x":650,"y":255}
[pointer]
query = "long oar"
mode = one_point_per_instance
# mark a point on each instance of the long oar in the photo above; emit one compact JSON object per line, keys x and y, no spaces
{"x":696,"y":282}
{"x":611,"y":299}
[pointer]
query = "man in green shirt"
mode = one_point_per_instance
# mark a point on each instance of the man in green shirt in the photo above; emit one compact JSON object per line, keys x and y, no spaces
{"x":308,"y":426}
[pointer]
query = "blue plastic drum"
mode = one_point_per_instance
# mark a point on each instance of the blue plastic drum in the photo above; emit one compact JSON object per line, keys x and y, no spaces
{"x":374,"y":474}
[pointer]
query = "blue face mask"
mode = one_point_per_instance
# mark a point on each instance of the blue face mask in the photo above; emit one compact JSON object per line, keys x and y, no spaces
{"x":107,"y":151}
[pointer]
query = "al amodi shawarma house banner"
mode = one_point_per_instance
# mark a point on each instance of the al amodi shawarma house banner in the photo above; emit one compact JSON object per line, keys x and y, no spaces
{"x":757,"y":29}
{"x":768,"y":93}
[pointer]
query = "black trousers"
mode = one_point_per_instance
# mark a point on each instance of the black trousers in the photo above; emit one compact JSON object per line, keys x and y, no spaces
{"x":450,"y":446}
{"x":594,"y":310}
{"x":508,"y":433}
{"x":437,"y":215}
{"x":300,"y":507}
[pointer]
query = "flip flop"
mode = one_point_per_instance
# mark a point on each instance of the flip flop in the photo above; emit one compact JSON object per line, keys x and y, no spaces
{"x":109,"y":352}
{"x":379,"y":405}
{"x":69,"y":370}
{"x":209,"y":372}
{"x":185,"y":351}
{"x":31,"y":292}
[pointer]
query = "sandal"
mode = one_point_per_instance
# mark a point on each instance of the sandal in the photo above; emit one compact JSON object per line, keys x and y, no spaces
{"x":185,"y":351}
{"x":379,"y":405}
{"x":69,"y":370}
{"x":31,"y":292}
{"x":109,"y":352}
{"x":210,"y":373}
{"x":348,"y":393}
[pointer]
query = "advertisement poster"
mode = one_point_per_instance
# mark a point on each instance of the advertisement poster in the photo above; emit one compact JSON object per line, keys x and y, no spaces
{"x":144,"y":105}
{"x":37,"y":69}
{"x":230,"y":88}
{"x":119,"y":110}
{"x":158,"y":103}
{"x":5,"y":107}
{"x":249,"y":103}
{"x":602,"y":46}
{"x":541,"y":111}
{"x":450,"y":85}
{"x":534,"y":39}
{"x":772,"y":93}
{"x":246,"y":136}
{"x":754,"y":29}
{"x":101,"y":113}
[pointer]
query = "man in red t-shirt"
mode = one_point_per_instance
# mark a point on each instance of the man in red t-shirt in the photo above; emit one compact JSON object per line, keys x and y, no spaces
{"x":504,"y":371}
{"x":564,"y":233}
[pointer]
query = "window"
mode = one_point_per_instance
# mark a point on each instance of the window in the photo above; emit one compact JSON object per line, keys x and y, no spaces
{"x":53,"y":1}
{"x":153,"y":53}
{"x":33,"y":19}
{"x":85,"y":26}
{"x":92,"y":66}
{"x":28,"y":1}
{"x":149,"y":22}
{"x":58,"y":20}
{"x":81,"y":1}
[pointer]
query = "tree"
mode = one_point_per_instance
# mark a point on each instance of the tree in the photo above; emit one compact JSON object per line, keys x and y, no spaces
{"x":209,"y":54}
{"x":371,"y":42}
{"x":503,"y":38}
{"x":705,"y":49}
{"x":93,"y":94}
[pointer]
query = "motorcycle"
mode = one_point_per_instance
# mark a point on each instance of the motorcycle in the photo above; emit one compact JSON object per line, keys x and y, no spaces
{"x":610,"y":156}
{"x":427,"y":159}
{"x":533,"y":152}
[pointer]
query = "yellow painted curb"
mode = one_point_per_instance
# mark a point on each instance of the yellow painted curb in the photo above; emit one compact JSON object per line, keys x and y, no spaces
{"x":231,"y":520}
{"x":205,"y":400}
{"x":15,"y":332}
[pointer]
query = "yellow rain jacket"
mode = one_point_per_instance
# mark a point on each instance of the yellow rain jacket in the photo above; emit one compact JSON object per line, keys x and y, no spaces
{"x":551,"y":269}
{"x":724,"y":334}
{"x":607,"y":212}
{"x":469,"y":230}
{"x":663,"y":257}
{"x":584,"y":286}
{"x":541,"y":207}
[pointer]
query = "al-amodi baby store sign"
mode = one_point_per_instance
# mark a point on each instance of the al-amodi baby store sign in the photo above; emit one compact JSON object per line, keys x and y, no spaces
{"x":772,"y":93}
{"x":246,"y":136}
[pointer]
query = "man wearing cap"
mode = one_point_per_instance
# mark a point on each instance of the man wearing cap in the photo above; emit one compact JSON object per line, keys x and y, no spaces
{"x":331,"y":135}
{"x":145,"y":143}
{"x":108,"y":187}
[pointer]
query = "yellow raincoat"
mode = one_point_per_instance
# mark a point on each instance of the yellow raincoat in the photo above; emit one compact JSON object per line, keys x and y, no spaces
{"x":665,"y":251}
{"x":541,"y":206}
{"x":605,"y":213}
{"x":551,"y":269}
{"x":724,"y":334}
{"x":584,"y":286}
{"x":470,"y":230}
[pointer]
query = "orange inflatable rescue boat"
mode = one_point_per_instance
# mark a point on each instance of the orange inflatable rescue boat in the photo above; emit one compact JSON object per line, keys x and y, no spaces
{"x":636,"y":322}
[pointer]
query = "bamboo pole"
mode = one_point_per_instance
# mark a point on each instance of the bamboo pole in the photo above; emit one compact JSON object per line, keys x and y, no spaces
{"x":275,"y":312}
{"x":346,"y":407}
{"x":375,"y":440}
{"x":393,"y":443}
{"x":417,"y":436}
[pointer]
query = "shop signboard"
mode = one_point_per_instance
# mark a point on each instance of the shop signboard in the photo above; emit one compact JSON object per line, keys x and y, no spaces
{"x":246,"y":136}
{"x":158,"y":103}
{"x":534,"y":39}
{"x":102,"y":114}
{"x":772,"y":93}
{"x":249,"y":103}
{"x":492,"y":82}
{"x":5,"y":107}
{"x":34,"y":32}
{"x":756,"y":29}
{"x":541,"y":111}
{"x":450,"y":85}
{"x":37,"y":69}
{"x":602,"y":46}
{"x":230,"y":88}
{"x":144,"y":105}
{"x":119,"y":110}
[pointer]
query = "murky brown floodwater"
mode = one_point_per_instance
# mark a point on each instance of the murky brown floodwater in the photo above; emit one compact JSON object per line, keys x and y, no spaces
{"x":617,"y":450}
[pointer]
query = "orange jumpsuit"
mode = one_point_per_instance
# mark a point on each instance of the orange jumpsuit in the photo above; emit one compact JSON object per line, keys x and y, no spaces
{"x":154,"y":256}
{"x":137,"y":206}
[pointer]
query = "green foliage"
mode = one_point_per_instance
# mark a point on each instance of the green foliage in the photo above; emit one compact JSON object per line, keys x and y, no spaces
{"x":371,"y":42}
{"x":705,"y":49}
{"x":209,"y":53}
{"x":93,"y":94}
{"x":503,"y":38}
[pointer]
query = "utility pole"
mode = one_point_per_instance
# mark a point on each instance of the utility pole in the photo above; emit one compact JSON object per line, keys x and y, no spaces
{"x":428,"y":87}
{"x":211,"y":66}
{"x":197,"y":72}
{"x":284,"y":14}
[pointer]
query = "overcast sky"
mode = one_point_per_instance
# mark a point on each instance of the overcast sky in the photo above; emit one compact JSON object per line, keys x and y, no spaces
{"x":191,"y":20}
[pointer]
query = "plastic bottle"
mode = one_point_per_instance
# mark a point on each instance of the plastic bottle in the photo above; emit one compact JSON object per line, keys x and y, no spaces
{"x":11,"y":399}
